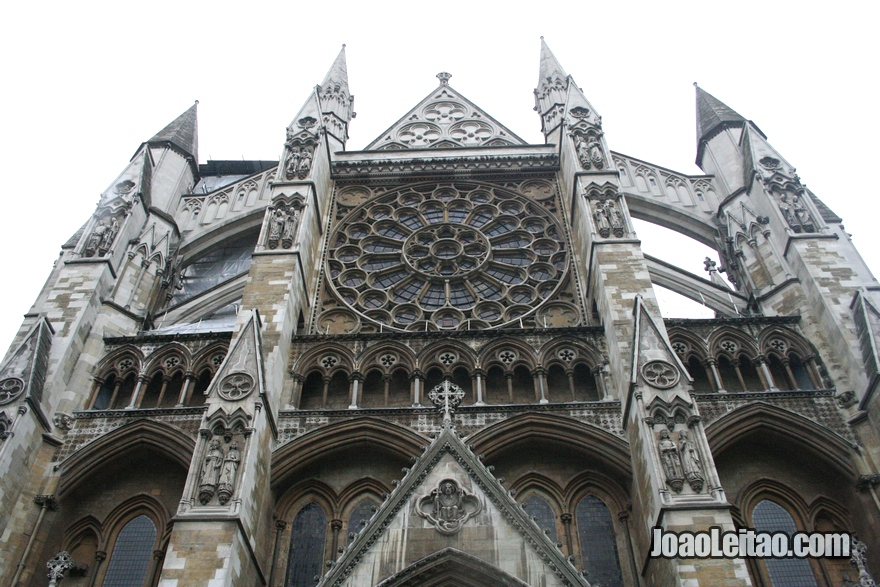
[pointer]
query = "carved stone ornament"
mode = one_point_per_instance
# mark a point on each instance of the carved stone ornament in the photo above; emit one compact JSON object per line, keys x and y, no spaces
{"x":580,"y":112}
{"x":10,"y":389}
{"x":5,"y":426}
{"x":306,"y":122}
{"x":608,"y":218}
{"x":671,"y":461}
{"x":448,"y":507}
{"x":691,"y":463}
{"x":102,"y":236}
{"x":299,"y":162}
{"x":226,"y":484}
{"x":236,"y":386}
{"x":770,"y":163}
{"x":796,"y":214}
{"x":58,"y":566}
{"x":660,"y":374}
{"x":210,"y":472}
{"x":63,"y":421}
{"x":282,"y":227}
{"x":859,"y":559}
{"x":589,"y":151}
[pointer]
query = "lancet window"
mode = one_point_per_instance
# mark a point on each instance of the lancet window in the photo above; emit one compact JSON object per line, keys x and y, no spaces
{"x":307,"y":540}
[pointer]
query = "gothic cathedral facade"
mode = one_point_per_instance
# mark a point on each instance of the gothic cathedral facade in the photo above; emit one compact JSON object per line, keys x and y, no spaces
{"x":440,"y":361}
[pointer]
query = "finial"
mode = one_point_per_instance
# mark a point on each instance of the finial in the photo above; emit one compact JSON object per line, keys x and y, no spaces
{"x":197,"y":102}
{"x":696,"y":85}
{"x":343,"y":45}
{"x":444,"y":78}
{"x":542,"y":37}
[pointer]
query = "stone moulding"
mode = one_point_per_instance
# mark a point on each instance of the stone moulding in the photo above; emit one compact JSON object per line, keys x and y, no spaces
{"x":428,"y":166}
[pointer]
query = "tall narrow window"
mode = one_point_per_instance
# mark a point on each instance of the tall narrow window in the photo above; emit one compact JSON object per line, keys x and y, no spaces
{"x":132,"y":554}
{"x":307,"y":538}
{"x":598,"y":542}
{"x":769,"y":516}
{"x":536,"y":507}
{"x":358,"y":519}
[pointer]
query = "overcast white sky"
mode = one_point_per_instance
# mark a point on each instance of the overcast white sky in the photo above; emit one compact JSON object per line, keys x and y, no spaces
{"x":86,"y":82}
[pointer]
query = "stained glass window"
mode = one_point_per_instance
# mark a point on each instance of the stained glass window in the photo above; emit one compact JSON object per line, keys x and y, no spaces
{"x":361,"y":514}
{"x":598,"y":542}
{"x":132,"y":554}
{"x":306,"y":554}
{"x":769,"y":516}
{"x":536,"y":507}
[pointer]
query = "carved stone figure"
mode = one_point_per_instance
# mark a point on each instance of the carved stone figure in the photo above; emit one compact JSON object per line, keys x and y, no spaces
{"x":289,"y":229}
{"x":276,"y":228}
{"x":597,"y":158}
{"x":292,"y":163}
{"x":93,"y":243}
{"x":305,"y":163}
{"x":671,"y":461}
{"x":615,"y":219}
{"x":583,"y":151}
{"x":210,"y":472}
{"x":226,"y":485}
{"x":690,"y":461}
{"x":788,"y":213}
{"x":802,"y":214}
{"x":603,"y":226}
{"x":448,"y":507}
{"x":108,"y":236}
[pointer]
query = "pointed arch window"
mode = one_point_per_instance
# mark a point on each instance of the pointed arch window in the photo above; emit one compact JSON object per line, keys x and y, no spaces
{"x":536,"y":507}
{"x":132,"y":554}
{"x":306,"y":554}
{"x":769,"y":516}
{"x":598,"y":542}
{"x":361,"y":514}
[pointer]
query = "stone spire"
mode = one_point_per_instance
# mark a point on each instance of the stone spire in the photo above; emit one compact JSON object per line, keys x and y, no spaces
{"x":182,"y":133}
{"x":549,"y":69}
{"x":335,"y":99}
{"x":712,"y":116}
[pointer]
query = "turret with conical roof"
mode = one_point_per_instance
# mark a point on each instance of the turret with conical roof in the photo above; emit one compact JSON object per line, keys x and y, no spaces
{"x":182,"y":133}
{"x":335,"y":99}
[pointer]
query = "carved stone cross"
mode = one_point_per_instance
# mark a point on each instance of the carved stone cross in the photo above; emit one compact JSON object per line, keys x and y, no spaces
{"x":446,"y":396}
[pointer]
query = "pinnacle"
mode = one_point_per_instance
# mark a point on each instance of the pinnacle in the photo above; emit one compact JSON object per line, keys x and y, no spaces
{"x":182,"y":132}
{"x":549,"y":67}
{"x":338,"y":73}
{"x":712,"y":113}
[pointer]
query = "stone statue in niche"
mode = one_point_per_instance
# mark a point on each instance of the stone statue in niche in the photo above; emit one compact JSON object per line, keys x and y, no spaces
{"x":583,"y":151}
{"x":299,"y":162}
{"x":101,"y":238}
{"x":289,"y":229}
{"x":690,"y":461}
{"x":448,"y":507}
{"x":671,"y":461}
{"x":597,"y":158}
{"x":796,"y":214}
{"x":609,"y":220}
{"x":226,"y":484}
{"x":210,"y":472}
{"x":276,"y":228}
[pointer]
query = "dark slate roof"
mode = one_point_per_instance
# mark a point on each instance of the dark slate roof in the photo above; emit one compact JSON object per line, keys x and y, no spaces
{"x":712,"y":114}
{"x":825,"y":212}
{"x":71,"y":242}
{"x":183,"y":132}
{"x":234,"y":167}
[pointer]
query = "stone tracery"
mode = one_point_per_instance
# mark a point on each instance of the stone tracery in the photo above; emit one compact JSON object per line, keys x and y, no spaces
{"x":459,"y":255}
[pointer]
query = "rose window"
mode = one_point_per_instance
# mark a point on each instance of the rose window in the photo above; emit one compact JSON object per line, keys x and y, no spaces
{"x":454,"y":256}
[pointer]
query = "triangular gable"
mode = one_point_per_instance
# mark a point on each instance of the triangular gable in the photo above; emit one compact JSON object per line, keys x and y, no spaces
{"x":867,"y":319}
{"x":489,"y":525}
{"x":652,"y":354}
{"x":444,"y":119}
{"x":24,"y":372}
{"x":241,"y":373}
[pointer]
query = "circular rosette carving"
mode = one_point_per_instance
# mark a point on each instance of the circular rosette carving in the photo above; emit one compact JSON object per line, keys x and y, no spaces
{"x":448,"y":507}
{"x":419,"y":134}
{"x":10,"y":389}
{"x":445,"y":256}
{"x":660,"y":374}
{"x":445,"y":112}
{"x":236,"y":386}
